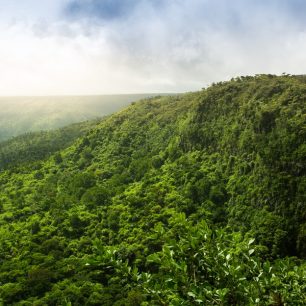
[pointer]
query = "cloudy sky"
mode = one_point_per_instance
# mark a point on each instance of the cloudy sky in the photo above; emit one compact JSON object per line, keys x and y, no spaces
{"x":54,"y":47}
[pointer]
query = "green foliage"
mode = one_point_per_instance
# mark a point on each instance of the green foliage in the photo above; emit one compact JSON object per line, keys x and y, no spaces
{"x":183,"y":200}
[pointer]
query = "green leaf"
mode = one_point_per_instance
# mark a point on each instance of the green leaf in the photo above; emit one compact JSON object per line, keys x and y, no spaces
{"x":191,"y":294}
{"x":251,"y":241}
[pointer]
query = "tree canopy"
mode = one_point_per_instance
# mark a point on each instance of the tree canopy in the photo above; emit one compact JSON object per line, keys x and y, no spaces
{"x":180,"y":200}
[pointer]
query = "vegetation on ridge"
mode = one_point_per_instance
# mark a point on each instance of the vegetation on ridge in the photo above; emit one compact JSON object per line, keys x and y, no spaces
{"x":183,"y":200}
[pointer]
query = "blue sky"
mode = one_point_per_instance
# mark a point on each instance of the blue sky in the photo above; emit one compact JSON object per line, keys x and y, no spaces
{"x":125,"y":46}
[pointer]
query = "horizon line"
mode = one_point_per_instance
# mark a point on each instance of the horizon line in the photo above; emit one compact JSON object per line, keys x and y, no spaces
{"x":90,"y":95}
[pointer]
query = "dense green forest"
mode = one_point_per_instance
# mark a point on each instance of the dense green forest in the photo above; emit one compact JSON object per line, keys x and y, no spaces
{"x":196,"y":199}
{"x":21,"y":115}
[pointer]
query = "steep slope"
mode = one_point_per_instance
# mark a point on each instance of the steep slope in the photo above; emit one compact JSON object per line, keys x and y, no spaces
{"x":176,"y":200}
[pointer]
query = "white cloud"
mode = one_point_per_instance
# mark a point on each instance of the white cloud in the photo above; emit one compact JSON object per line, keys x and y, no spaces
{"x":183,"y":46}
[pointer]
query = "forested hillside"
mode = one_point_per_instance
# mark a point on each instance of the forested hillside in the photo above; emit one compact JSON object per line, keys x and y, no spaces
{"x":196,"y":199}
{"x":21,"y":115}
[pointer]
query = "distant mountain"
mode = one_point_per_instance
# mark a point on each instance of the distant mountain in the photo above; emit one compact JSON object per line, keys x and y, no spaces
{"x":195,"y":199}
{"x":36,"y":146}
{"x":20,"y":115}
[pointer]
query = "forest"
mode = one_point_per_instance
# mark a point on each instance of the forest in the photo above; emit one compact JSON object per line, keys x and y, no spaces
{"x":192,"y":199}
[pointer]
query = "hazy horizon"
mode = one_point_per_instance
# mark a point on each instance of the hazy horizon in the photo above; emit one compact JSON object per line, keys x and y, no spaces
{"x":91,"y":95}
{"x":24,"y":114}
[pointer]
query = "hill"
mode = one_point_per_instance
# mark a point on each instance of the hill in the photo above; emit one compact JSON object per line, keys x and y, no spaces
{"x":182,"y":200}
{"x":37,"y":146}
{"x":21,"y":115}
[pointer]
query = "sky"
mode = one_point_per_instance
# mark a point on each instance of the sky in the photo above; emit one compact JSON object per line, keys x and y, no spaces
{"x":83,"y":47}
